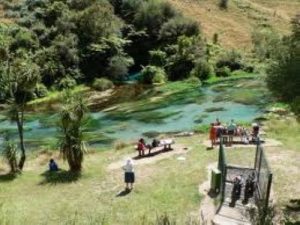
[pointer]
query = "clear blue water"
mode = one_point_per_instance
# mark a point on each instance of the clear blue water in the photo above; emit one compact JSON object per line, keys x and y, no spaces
{"x":184,"y":118}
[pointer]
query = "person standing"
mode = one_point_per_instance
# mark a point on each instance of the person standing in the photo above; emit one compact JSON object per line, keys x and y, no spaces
{"x":129,"y":175}
{"x":231,"y":131}
{"x":213,"y":135}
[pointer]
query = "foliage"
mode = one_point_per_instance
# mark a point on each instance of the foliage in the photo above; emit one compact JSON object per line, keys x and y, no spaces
{"x":283,"y":74}
{"x":153,"y":74}
{"x":262,"y":215}
{"x":66,"y":82}
{"x":18,"y":82}
{"x":41,"y":90}
{"x":72,"y":145}
{"x":183,"y":55}
{"x":158,"y":58}
{"x":177,"y":27}
{"x":10,"y":155}
{"x":223,"y":72}
{"x":202,"y":70}
{"x":231,"y":59}
{"x":223,"y":4}
{"x":152,"y":14}
{"x":102,"y":84}
{"x":264,"y":41}
{"x":194,"y":80}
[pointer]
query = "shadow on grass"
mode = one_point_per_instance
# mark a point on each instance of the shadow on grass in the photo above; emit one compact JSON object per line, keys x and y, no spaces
{"x":152,"y":154}
{"x":7,"y":177}
{"x":123,"y":193}
{"x":293,"y":211}
{"x":59,"y":177}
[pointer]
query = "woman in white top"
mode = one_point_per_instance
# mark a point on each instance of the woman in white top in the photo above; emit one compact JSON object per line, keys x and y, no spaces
{"x":129,"y":174}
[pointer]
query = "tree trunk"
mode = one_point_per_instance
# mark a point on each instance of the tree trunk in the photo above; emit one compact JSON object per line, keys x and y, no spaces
{"x":21,"y":136}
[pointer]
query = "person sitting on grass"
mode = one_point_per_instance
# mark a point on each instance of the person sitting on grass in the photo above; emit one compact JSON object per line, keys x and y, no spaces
{"x":53,"y":166}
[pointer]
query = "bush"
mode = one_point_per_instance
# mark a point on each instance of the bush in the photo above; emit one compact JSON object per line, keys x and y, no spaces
{"x":194,"y":80}
{"x":10,"y":156}
{"x":153,"y":74}
{"x":41,"y":90}
{"x":66,"y":82}
{"x":223,"y":72}
{"x":223,"y":4}
{"x":177,"y":27}
{"x":102,"y":84}
{"x":202,"y":70}
{"x":231,"y":59}
{"x":158,"y":58}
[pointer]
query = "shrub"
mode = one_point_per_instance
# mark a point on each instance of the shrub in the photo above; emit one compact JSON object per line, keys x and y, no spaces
{"x":223,"y":4}
{"x":231,"y":59}
{"x":158,"y":58}
{"x":177,"y":27}
{"x":67,"y":82}
{"x":202,"y":70}
{"x":223,"y":72}
{"x":194,"y":80}
{"x":41,"y":90}
{"x":10,"y":155}
{"x":153,"y":74}
{"x":102,"y":84}
{"x":215,"y":38}
{"x":151,"y":15}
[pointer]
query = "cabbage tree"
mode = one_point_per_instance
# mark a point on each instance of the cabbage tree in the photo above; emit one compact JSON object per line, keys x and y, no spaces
{"x":72,"y":145}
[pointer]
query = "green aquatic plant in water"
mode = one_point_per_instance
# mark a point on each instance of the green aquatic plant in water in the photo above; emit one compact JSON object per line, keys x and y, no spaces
{"x":215,"y":109}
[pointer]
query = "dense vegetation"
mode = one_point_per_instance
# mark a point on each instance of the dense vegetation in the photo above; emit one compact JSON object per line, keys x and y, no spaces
{"x":78,"y":41}
{"x":284,"y":72}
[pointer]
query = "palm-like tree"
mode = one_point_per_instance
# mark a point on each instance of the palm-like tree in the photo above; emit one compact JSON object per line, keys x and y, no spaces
{"x":72,"y":145}
{"x":18,"y":81}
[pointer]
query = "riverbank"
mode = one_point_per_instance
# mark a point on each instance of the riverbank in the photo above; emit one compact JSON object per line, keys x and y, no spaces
{"x":131,"y":111}
{"x":166,"y":187}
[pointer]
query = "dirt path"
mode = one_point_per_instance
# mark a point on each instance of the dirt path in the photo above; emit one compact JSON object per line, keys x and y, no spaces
{"x":178,"y":149}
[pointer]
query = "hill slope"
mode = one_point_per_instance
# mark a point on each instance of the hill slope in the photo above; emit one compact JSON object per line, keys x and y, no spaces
{"x":236,"y":24}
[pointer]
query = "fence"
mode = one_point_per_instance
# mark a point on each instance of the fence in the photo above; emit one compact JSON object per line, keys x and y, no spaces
{"x":261,"y":169}
{"x":264,"y":175}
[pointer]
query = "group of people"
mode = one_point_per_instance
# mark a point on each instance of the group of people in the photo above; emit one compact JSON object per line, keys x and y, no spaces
{"x":218,"y":129}
{"x":142,"y":146}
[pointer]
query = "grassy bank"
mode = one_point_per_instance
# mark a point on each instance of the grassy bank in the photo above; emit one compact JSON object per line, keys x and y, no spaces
{"x":165,"y":187}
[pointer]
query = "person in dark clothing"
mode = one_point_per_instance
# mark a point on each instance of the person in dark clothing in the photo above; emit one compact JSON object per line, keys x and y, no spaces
{"x":53,"y":165}
{"x":155,"y":143}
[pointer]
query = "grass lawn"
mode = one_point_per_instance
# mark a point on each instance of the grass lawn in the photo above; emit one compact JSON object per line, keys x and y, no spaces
{"x":165,"y":187}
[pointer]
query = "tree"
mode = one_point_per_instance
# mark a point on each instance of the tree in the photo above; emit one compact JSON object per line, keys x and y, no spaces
{"x":153,"y":74}
{"x":71,"y":119}
{"x":283,"y":77}
{"x":19,"y":81}
{"x":177,"y":27}
{"x":183,"y":56}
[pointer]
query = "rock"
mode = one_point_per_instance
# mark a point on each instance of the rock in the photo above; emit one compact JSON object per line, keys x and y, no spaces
{"x":184,"y":134}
